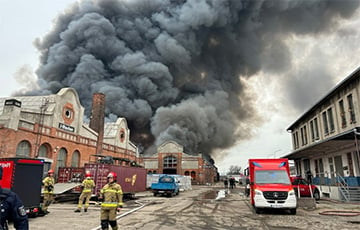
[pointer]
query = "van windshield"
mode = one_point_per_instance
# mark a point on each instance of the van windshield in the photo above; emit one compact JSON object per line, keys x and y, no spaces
{"x":272,"y":177}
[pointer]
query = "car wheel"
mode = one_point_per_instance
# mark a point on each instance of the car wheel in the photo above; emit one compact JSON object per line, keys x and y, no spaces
{"x":316,"y":194}
{"x":293,"y":211}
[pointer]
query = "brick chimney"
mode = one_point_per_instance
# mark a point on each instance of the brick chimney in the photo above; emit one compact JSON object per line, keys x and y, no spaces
{"x":97,"y":119}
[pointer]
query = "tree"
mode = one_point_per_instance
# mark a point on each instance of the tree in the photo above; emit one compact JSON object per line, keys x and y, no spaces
{"x":234,"y":169}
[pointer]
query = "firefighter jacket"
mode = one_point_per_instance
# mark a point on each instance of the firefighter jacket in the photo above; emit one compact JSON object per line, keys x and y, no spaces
{"x":87,"y":185}
{"x":48,"y":183}
{"x":12,"y":210}
{"x":112,"y":196}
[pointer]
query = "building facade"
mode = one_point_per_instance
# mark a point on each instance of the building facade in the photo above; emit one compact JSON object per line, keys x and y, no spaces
{"x":52,"y":128}
{"x":325,"y":141}
{"x":171,"y":159}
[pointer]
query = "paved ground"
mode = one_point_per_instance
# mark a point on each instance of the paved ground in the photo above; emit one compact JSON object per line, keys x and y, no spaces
{"x":199,"y":209}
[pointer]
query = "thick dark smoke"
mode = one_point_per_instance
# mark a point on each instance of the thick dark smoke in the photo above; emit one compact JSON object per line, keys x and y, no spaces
{"x":172,"y":68}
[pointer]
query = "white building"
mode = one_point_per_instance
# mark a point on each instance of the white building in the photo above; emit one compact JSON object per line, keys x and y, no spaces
{"x":325,"y":141}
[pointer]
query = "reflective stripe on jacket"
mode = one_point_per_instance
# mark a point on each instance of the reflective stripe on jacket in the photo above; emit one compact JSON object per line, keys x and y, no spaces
{"x":112,"y":194}
{"x":88,"y":184}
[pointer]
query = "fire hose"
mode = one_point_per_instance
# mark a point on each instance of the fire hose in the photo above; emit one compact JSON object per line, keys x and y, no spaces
{"x":340,"y":213}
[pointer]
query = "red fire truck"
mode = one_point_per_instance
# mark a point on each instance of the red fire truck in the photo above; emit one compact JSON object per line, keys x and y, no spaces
{"x":270,"y":185}
{"x":24,"y":177}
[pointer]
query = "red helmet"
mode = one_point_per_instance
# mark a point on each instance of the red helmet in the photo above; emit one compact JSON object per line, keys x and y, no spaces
{"x":87,"y":174}
{"x":51,"y":171}
{"x":113,"y":175}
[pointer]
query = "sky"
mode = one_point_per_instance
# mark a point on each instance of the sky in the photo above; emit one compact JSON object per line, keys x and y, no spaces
{"x":224,"y":78}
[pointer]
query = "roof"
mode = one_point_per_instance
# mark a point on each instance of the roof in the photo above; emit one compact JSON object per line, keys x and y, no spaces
{"x":355,"y":74}
{"x":28,"y":103}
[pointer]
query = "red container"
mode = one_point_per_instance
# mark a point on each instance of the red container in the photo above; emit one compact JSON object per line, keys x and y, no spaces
{"x":70,"y":174}
{"x":131,"y":179}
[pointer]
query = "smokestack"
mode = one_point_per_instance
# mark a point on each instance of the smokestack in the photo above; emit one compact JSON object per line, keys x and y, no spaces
{"x":97,"y":118}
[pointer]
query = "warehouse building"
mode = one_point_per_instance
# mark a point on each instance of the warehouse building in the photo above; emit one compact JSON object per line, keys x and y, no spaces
{"x":171,"y":159}
{"x":52,"y":128}
{"x":325,"y":141}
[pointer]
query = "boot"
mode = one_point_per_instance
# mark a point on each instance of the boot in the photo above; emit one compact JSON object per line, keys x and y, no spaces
{"x":77,"y":210}
{"x":85,"y":209}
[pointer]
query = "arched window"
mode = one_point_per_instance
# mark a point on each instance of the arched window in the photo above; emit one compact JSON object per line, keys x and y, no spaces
{"x":170,"y":162}
{"x":75,"y":160}
{"x":23,"y":149}
{"x":43,"y":151}
{"x":187,"y":173}
{"x":61,"y":159}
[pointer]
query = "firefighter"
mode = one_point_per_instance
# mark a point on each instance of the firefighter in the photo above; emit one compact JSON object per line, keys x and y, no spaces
{"x":48,"y":184}
{"x":87,"y":187}
{"x":111,"y":195}
{"x":12,"y":209}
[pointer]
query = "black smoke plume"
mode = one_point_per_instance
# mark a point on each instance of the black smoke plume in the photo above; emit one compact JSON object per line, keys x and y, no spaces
{"x":172,"y":68}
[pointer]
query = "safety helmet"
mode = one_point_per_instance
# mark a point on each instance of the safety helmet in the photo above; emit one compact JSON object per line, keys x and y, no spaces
{"x":87,"y":174}
{"x":113,"y":175}
{"x":51,"y":171}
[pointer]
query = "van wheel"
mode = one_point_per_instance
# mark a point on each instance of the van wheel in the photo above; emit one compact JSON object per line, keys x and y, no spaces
{"x":257,"y":210}
{"x":316,"y":194}
{"x":293,"y":211}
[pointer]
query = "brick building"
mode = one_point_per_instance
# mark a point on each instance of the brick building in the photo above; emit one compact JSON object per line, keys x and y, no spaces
{"x":52,"y":128}
{"x":171,"y":159}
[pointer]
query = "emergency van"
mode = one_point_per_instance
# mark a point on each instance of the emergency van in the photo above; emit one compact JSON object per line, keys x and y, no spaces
{"x":270,"y":185}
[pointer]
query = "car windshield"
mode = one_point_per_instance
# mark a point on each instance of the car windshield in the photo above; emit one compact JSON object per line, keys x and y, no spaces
{"x":271,"y":177}
{"x":166,"y":180}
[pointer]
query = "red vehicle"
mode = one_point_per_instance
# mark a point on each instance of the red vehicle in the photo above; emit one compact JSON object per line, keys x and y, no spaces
{"x":306,"y":189}
{"x":24,"y":177}
{"x":270,"y":185}
{"x":131,"y":179}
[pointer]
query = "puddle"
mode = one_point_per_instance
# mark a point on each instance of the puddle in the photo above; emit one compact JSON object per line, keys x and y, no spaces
{"x":209,"y":195}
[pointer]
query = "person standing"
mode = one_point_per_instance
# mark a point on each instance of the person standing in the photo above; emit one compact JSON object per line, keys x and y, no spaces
{"x":226,"y":182}
{"x":48,"y":184}
{"x":12,"y":209}
{"x":111,"y":195}
{"x":87,"y":185}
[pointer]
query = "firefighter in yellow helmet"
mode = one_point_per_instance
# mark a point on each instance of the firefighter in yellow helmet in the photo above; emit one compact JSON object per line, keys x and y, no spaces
{"x":48,"y":191}
{"x":111,"y":194}
{"x":87,"y":185}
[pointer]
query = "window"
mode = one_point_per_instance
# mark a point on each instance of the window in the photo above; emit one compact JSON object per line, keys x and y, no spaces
{"x":75,"y":160}
{"x":325,"y":123}
{"x":342,"y":113}
{"x":331,"y":120}
{"x":351,"y":109}
{"x":312,"y":130}
{"x":43,"y":151}
{"x":23,"y":149}
{"x":61,"y":159}
{"x":170,"y":162}
{"x":303,"y":135}
{"x":296,"y":140}
{"x":316,"y":128}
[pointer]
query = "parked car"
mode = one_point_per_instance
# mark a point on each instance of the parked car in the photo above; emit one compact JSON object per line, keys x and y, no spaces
{"x":301,"y":184}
